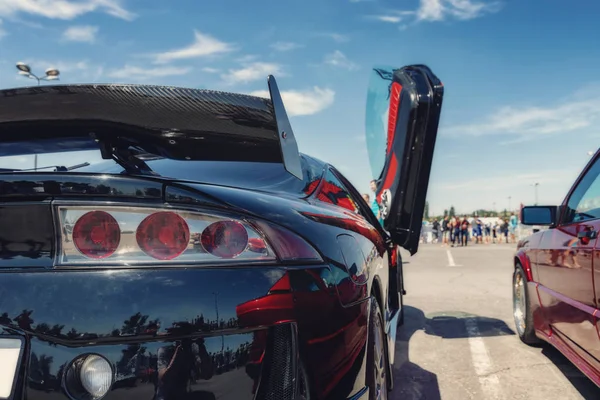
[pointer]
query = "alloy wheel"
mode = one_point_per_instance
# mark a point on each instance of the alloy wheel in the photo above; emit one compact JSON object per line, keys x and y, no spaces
{"x":379,"y":360}
{"x":519,"y":302}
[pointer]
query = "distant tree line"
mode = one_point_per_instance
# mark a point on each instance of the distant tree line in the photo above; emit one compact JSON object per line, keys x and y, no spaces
{"x":451,"y":212}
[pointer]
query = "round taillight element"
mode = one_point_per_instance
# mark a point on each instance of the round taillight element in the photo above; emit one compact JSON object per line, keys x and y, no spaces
{"x":163,"y":235}
{"x":96,"y":234}
{"x":225,"y":239}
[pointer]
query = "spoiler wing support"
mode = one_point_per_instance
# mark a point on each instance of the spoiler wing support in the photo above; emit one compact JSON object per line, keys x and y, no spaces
{"x":287,"y":140}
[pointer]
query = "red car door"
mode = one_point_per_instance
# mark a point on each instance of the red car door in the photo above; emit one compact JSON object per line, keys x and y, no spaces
{"x":566,"y":266}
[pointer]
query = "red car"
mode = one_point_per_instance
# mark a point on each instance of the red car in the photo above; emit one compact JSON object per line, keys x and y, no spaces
{"x":556,"y":282}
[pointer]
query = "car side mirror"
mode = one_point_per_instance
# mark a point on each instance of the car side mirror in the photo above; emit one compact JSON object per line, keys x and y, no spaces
{"x":539,"y":215}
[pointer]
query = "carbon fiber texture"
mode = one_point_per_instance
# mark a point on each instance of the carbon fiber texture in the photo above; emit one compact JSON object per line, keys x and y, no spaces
{"x":174,"y":122}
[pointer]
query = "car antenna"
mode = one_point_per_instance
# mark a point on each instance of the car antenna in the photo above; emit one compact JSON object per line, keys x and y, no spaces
{"x":57,"y":168}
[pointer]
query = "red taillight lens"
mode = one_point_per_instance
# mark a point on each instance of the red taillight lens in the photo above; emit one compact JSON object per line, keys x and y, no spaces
{"x":163,"y":235}
{"x":257,"y":245}
{"x":225,"y":239}
{"x":96,"y":234}
{"x":287,"y":245}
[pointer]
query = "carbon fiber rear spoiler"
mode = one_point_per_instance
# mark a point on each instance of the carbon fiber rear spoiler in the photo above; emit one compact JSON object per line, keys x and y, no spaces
{"x":125,"y":120}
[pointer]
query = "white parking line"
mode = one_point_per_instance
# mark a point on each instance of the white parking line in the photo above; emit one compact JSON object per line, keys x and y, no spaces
{"x":451,"y":262}
{"x":489,"y":382}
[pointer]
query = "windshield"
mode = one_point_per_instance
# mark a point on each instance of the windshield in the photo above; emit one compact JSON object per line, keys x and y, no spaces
{"x":376,"y":118}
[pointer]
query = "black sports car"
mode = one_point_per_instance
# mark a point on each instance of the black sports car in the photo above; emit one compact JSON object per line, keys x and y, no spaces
{"x":204,"y":257}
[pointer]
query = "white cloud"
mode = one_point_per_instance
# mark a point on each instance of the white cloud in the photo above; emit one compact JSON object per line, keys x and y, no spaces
{"x":2,"y":31}
{"x":252,"y":72}
{"x":210,"y":70}
{"x":285,"y":46}
{"x":574,"y":113}
{"x":393,"y":16}
{"x":336,"y":37}
{"x":438,"y":10}
{"x":305,"y":102}
{"x":203,"y":46}
{"x":81,"y":33}
{"x":339,"y":59}
{"x":139,"y":73}
{"x":394,"y":19}
{"x":63,"y":66}
{"x":63,"y":9}
{"x":247,"y":58}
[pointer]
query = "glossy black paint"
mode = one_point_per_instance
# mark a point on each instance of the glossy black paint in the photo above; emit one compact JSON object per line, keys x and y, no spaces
{"x":63,"y":314}
{"x":27,"y":236}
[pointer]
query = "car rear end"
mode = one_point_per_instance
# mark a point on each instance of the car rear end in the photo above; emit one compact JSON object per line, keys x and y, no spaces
{"x":97,"y":290}
{"x":135,"y":286}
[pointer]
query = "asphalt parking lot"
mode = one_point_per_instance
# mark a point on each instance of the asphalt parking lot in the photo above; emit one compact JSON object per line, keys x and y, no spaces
{"x":458,"y":341}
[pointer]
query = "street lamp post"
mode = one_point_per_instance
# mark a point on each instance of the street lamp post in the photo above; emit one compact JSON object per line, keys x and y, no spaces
{"x":535,"y":188}
{"x":52,"y":74}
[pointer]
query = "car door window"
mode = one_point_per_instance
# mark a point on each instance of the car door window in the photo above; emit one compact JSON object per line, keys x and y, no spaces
{"x":584,"y":203}
{"x":333,"y":191}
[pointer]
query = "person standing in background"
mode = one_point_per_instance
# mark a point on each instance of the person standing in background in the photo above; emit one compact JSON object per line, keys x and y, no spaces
{"x":479,"y":228}
{"x":513,"y":223}
{"x":487,"y":230}
{"x":464,"y":231}
{"x":367,"y":199}
{"x":374,"y":205}
{"x":435,"y":226}
{"x":455,"y":231}
{"x":445,"y":230}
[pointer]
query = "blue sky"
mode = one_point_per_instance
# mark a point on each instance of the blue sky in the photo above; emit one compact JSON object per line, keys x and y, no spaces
{"x":522,"y":93}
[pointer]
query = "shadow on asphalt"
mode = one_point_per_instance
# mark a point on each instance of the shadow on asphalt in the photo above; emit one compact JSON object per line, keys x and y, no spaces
{"x":451,"y":325}
{"x":580,"y":382}
{"x":412,"y":382}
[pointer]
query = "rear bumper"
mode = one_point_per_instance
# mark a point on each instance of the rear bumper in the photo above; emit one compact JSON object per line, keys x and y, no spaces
{"x":249,"y":329}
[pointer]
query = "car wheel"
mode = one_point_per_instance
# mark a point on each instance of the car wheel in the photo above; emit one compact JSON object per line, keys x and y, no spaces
{"x":376,"y":355}
{"x":522,"y":308}
{"x":400,"y":287}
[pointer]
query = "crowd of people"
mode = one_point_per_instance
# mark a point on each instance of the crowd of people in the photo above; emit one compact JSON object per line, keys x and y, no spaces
{"x":459,"y":231}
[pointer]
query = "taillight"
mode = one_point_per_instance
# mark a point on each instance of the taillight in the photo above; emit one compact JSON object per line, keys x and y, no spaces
{"x":163,"y":235}
{"x":121,"y":235}
{"x":288,"y":245}
{"x":96,"y":234}
{"x":226,"y":239}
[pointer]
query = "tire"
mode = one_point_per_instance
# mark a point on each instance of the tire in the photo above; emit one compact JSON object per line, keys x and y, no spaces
{"x":377,"y":359}
{"x":400,"y":287}
{"x":522,"y":308}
